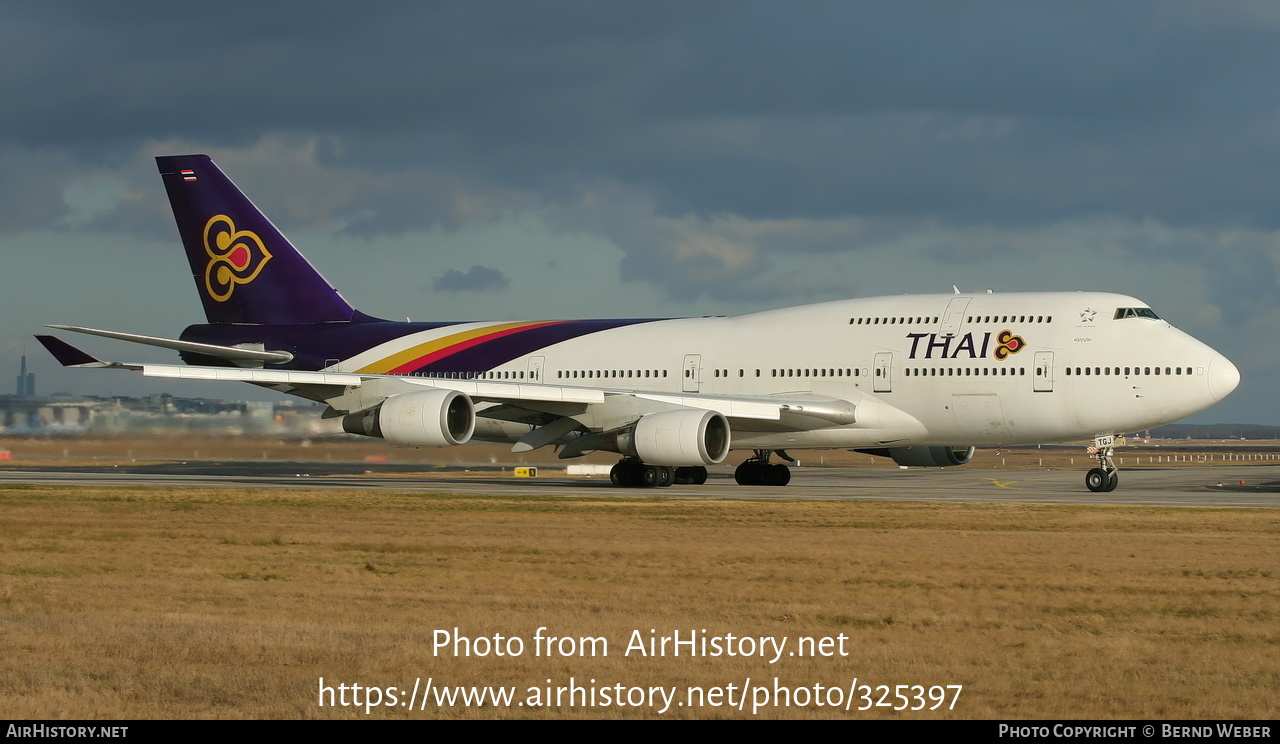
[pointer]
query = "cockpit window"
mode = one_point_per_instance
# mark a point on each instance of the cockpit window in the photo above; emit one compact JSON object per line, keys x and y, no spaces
{"x":1136,"y":312}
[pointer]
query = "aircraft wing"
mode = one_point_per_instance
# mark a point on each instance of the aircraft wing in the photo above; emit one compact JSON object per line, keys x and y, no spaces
{"x":595,"y":408}
{"x":374,"y":387}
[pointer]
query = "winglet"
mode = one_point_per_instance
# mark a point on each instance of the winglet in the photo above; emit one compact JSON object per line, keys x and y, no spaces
{"x":68,"y":355}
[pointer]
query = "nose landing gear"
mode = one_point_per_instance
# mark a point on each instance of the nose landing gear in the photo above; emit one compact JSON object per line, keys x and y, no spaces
{"x":1106,"y":476}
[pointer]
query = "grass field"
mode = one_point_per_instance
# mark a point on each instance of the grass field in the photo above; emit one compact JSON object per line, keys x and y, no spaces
{"x":154,"y":448}
{"x":136,"y":603}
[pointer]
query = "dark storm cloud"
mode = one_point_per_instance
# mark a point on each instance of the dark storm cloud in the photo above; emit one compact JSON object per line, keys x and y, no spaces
{"x":30,"y":190}
{"x":435,"y":113}
{"x":955,"y":111}
{"x":476,"y":279}
{"x":234,"y":70}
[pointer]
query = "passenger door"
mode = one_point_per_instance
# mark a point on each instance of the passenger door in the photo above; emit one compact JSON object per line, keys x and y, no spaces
{"x":882,"y":373}
{"x":1043,"y":381}
{"x":692,"y":373}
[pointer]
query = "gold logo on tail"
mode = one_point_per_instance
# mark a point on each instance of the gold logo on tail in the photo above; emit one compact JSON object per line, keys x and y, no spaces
{"x":235,"y":257}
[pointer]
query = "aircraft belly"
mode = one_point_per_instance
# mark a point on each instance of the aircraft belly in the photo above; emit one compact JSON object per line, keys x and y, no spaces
{"x":1132,"y":408}
{"x":830,"y":437}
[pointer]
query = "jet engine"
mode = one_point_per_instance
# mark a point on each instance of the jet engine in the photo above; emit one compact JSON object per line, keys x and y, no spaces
{"x":934,"y":457}
{"x":684,"y":438}
{"x":430,"y":418}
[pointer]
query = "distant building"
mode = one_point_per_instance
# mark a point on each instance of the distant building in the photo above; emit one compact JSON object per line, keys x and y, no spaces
{"x":26,"y":381}
{"x":63,"y":414}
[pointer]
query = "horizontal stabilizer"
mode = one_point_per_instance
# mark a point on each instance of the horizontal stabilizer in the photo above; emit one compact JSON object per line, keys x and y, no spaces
{"x":235,"y":354}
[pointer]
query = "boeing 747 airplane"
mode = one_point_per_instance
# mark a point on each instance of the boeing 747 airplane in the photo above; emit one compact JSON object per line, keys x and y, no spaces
{"x":921,"y":379}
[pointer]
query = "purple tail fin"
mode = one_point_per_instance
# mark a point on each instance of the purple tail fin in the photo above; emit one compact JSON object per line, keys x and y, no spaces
{"x":245,"y":270}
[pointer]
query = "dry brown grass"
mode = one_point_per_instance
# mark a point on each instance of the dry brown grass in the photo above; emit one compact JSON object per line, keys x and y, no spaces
{"x":122,"y":603}
{"x":134,"y":449}
{"x":109,"y":450}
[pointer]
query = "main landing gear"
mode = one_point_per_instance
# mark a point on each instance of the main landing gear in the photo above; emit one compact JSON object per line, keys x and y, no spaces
{"x":1106,"y":476}
{"x":631,"y":473}
{"x":758,"y":472}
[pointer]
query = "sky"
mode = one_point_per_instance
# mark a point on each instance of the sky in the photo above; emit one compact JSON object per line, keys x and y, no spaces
{"x":558,"y":159}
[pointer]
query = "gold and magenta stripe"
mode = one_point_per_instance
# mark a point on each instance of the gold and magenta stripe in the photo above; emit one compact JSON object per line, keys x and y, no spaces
{"x":421,"y":355}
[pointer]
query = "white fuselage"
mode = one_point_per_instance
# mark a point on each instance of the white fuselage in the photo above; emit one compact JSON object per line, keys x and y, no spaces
{"x":958,"y":369}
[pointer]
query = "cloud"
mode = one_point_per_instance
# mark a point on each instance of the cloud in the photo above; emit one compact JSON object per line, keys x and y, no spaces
{"x":476,"y":279}
{"x":740,"y":153}
{"x":439,"y":113}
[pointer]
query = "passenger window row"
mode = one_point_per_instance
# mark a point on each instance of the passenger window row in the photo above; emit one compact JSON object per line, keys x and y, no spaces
{"x":894,"y":321}
{"x":1128,"y":371}
{"x":807,"y":372}
{"x":489,"y":375}
{"x":1009,"y":319}
{"x":964,"y":371}
{"x":933,"y":320}
{"x":609,"y":374}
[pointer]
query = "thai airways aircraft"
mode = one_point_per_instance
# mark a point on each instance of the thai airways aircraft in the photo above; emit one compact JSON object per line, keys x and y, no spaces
{"x":921,"y":379}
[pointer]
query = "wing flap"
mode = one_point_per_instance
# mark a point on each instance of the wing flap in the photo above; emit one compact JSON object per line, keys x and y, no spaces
{"x":273,"y":376}
{"x":742,"y":408}
{"x":487,"y":391}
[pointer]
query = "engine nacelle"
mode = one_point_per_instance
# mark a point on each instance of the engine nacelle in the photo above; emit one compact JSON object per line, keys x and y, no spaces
{"x":936,"y":457}
{"x":430,"y":418}
{"x":684,"y":438}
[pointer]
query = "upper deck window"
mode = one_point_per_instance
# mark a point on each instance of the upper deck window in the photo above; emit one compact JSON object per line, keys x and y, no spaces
{"x":1136,"y":312}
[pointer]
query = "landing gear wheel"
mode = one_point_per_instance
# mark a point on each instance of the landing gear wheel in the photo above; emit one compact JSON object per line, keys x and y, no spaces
{"x":626,"y":474}
{"x":758,"y":472}
{"x":634,"y":474}
{"x":693,"y":476}
{"x":1097,"y":480}
{"x":1113,"y":480}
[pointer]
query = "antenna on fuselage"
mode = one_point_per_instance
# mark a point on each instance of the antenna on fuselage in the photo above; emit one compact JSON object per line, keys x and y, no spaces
{"x":955,"y":289}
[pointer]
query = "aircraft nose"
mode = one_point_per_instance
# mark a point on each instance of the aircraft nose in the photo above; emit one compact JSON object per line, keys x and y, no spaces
{"x":1223,"y":377}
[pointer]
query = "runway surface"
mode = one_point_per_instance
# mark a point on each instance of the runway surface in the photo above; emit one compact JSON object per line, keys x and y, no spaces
{"x":1185,"y":486}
